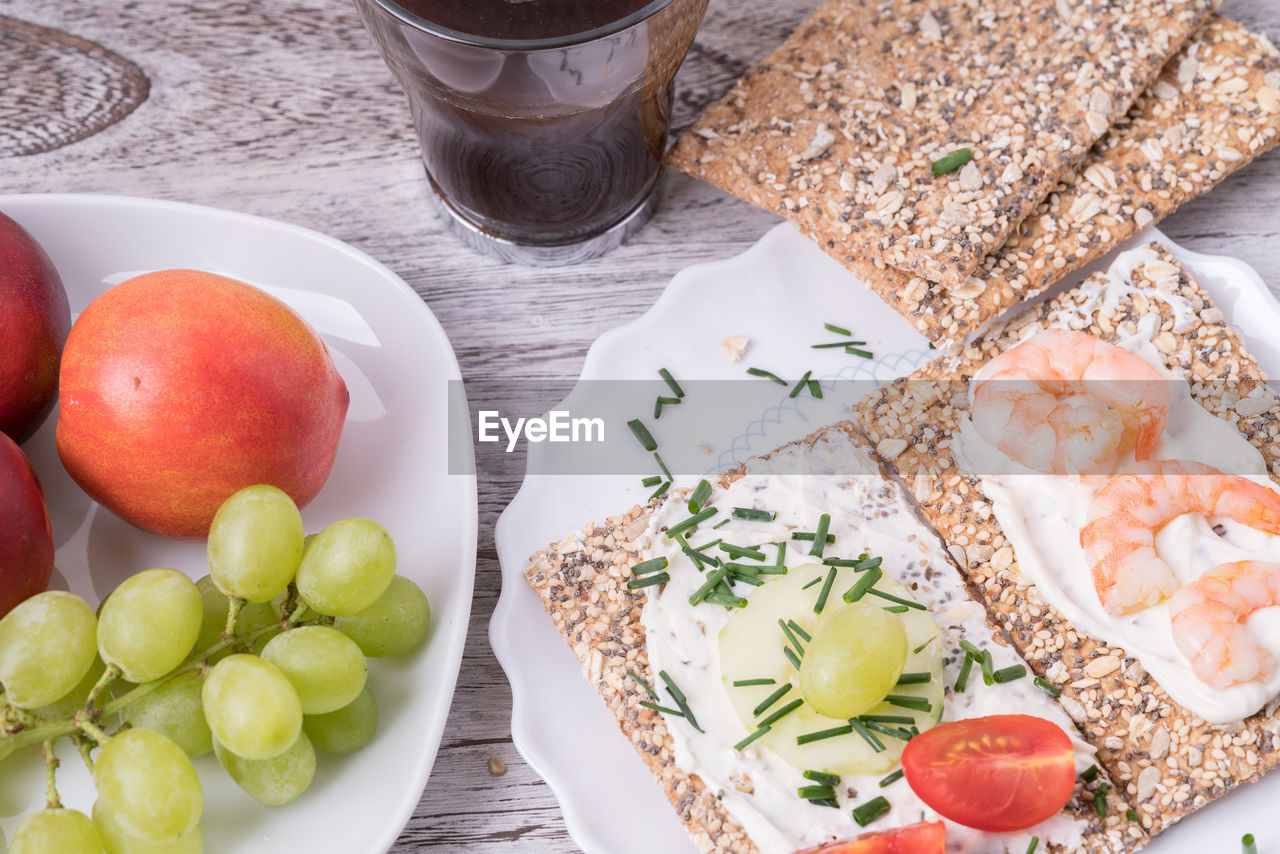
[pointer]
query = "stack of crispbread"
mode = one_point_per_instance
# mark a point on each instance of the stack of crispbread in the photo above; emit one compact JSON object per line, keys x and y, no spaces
{"x":1168,"y":761}
{"x":838,"y":129}
{"x":582,"y":583}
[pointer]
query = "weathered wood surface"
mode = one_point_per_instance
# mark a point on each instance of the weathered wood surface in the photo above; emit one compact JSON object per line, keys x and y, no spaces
{"x":284,"y":109}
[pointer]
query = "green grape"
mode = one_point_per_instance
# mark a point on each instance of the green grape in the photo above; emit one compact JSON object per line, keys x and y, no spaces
{"x":56,"y":830}
{"x":46,"y":645}
{"x":347,"y":567}
{"x":148,"y":785}
{"x":252,"y":616}
{"x":255,"y":543}
{"x":855,"y":659}
{"x":394,"y":624}
{"x":149,"y":624}
{"x":324,"y":666}
{"x":346,"y":730}
{"x":74,"y":701}
{"x":273,"y":781}
{"x":116,"y":841}
{"x":251,"y":707}
{"x":174,"y":710}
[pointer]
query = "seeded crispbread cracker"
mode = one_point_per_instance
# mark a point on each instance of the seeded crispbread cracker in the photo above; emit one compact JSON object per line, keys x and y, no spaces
{"x":1213,"y":110}
{"x":1169,"y":761}
{"x":841,"y":124}
{"x":581,"y":581}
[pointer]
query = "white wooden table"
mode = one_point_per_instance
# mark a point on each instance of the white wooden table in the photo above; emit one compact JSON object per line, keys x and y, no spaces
{"x":284,"y":109}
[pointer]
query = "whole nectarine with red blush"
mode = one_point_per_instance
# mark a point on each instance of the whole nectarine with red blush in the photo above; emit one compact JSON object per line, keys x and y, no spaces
{"x":26,"y":542}
{"x":181,"y":387}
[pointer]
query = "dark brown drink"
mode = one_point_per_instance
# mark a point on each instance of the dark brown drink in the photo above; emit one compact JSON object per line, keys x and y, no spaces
{"x":542,"y":122}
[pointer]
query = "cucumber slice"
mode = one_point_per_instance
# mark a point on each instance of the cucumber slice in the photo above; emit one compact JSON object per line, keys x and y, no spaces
{"x":751,"y":647}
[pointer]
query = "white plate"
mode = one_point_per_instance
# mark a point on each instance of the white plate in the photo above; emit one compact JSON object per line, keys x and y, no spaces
{"x":391,"y":466}
{"x":778,"y":293}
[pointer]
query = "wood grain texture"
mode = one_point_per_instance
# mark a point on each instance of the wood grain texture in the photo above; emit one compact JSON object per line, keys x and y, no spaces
{"x":284,"y":109}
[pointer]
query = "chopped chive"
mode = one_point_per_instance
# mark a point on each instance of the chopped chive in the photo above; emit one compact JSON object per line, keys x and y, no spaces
{"x":642,"y":434}
{"x":840,"y":561}
{"x":752,"y":737}
{"x":988,"y":668}
{"x":671,"y":382}
{"x":1090,"y":774}
{"x":816,"y":793}
{"x":826,"y":590}
{"x":811,"y":583}
{"x":699,"y":497}
{"x":839,"y":330}
{"x":733,"y":551}
{"x":1008,"y":674}
{"x":864,"y":563}
{"x":1100,"y":804}
{"x":917,"y":704}
{"x":643,"y":684}
{"x":721,"y":524}
{"x":658,"y":458}
{"x":1048,"y":687}
{"x":648,"y":580}
{"x":749,"y":580}
{"x":648,"y":566}
{"x":792,"y":657}
{"x":915,"y":678}
{"x":781,"y":713}
{"x":857,"y":351}
{"x":661,"y":402}
{"x":952,"y":161}
{"x":652,"y":480}
{"x":700,"y":559}
{"x":971,"y":649}
{"x":896,"y":609}
{"x":891,"y":778}
{"x":820,"y":536}
{"x":888,"y":719}
{"x":870,"y":811}
{"x":963,"y":678}
{"x":663,"y":709}
{"x":921,"y":647}
{"x":681,"y":700}
{"x":743,"y":683}
{"x":1031,"y":847}
{"x":726,"y":599}
{"x":831,"y":345}
{"x":1132,"y":815}
{"x":782,"y":554}
{"x":773,"y":569}
{"x":791,"y":636}
{"x":795,"y":627}
{"x":770,"y":700}
{"x":815,"y":389}
{"x":808,"y":536}
{"x":906,"y":603}
{"x":692,"y":521}
{"x":800,"y":386}
{"x":891,"y":731}
{"x":707,"y":545}
{"x":713,"y":578}
{"x":753,"y":515}
{"x":862,"y":585}
{"x":860,"y":728}
{"x":822,"y":778}
{"x":769,"y":375}
{"x":810,"y":737}
{"x":749,"y":570}
{"x":1247,"y":845}
{"x":666,"y":484}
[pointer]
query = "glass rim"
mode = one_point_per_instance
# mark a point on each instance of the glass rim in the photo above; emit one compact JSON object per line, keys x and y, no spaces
{"x":638,"y":16}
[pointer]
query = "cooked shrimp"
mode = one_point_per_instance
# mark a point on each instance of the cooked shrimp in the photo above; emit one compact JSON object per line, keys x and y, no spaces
{"x":1119,"y":538}
{"x":1064,"y":401}
{"x":1208,"y":621}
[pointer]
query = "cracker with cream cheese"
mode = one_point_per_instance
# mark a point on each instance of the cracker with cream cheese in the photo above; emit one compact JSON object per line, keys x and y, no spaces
{"x":582,"y":582}
{"x":1167,"y":760}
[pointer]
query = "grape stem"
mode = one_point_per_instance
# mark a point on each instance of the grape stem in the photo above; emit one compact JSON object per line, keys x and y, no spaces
{"x":234,"y":604}
{"x":85,"y":746}
{"x":108,"y":676}
{"x":51,"y":763}
{"x":27,"y":729}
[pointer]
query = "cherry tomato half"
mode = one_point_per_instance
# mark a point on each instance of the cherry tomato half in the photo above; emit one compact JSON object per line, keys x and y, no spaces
{"x":1000,"y":773}
{"x":924,"y":837}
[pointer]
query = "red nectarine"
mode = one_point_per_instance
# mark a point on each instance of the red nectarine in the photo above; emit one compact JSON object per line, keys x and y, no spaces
{"x":26,"y":542}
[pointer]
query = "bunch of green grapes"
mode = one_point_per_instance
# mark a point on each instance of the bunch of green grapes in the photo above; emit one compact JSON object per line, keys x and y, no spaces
{"x":262,"y":662}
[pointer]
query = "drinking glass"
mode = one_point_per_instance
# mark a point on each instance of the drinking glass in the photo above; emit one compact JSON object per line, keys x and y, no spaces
{"x":541,"y":151}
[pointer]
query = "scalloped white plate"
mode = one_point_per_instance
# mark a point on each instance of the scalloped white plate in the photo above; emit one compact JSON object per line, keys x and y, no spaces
{"x":391,"y":466}
{"x":778,"y":293}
